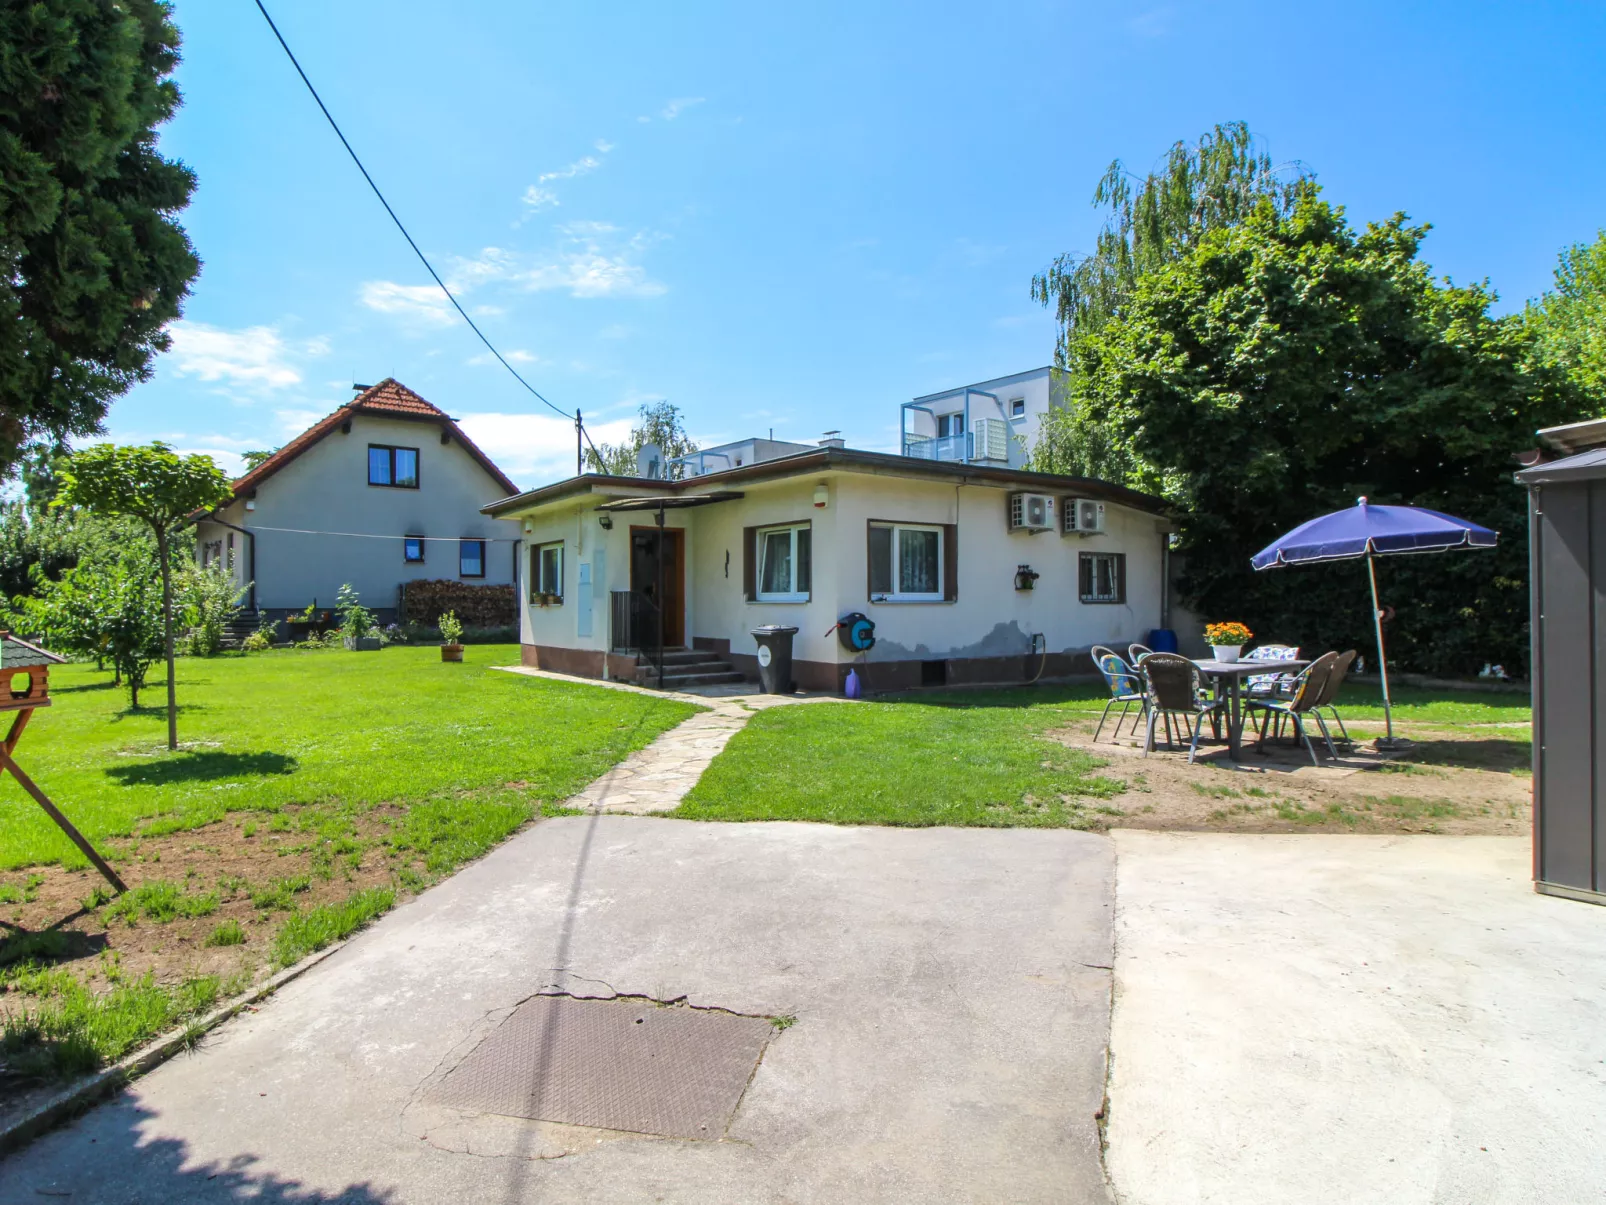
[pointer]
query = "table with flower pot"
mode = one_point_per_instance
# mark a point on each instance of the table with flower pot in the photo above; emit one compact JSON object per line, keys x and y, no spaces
{"x":1229,"y":676}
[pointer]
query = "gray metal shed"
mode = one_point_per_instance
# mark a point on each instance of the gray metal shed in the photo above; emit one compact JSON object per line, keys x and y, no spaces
{"x":1567,"y":551}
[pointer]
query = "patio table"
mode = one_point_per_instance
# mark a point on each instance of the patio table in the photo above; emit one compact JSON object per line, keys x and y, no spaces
{"x":1230,"y":675}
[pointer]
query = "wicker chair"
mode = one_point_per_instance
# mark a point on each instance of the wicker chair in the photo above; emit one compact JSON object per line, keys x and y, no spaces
{"x":1300,"y":703}
{"x":1175,"y":687}
{"x":1126,"y":688}
{"x":1266,"y":685}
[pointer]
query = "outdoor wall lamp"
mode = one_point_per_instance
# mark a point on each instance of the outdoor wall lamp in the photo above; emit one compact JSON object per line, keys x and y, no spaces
{"x":1025,"y":575}
{"x":606,"y":521}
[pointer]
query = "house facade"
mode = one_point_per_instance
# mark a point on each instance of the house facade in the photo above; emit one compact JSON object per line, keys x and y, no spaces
{"x":386,"y":489}
{"x":968,"y":571}
{"x":991,"y":423}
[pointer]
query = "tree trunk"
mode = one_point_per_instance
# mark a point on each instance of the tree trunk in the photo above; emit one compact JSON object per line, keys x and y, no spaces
{"x":167,"y":633}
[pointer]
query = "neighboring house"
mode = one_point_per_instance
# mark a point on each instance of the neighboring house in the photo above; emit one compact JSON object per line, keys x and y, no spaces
{"x":735,"y":456}
{"x":385,"y":490}
{"x":991,"y":422}
{"x":939,"y":555}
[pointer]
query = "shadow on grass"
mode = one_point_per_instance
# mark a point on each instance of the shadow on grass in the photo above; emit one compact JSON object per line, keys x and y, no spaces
{"x":1492,"y":754}
{"x":156,"y":710}
{"x":1080,"y":695}
{"x":84,"y":686}
{"x":202,"y":767}
{"x":47,"y":945}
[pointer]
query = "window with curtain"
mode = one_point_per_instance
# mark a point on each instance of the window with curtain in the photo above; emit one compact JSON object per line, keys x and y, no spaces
{"x":396,"y":467}
{"x":546,"y":570}
{"x":785,"y":563}
{"x":906,"y":563}
{"x":471,"y":558}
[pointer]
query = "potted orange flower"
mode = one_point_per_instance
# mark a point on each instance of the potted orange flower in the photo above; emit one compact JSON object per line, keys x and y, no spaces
{"x":1227,"y":640}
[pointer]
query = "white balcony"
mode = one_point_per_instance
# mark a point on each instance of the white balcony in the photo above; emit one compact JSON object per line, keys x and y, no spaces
{"x":954,"y":448}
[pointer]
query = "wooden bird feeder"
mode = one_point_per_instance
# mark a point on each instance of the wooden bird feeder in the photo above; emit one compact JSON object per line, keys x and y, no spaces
{"x":25,"y":687}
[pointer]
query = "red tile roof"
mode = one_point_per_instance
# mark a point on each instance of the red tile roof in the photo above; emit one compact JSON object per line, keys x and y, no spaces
{"x":388,"y":398}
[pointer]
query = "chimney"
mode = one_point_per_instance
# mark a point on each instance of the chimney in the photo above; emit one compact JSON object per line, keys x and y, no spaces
{"x":833,"y":439}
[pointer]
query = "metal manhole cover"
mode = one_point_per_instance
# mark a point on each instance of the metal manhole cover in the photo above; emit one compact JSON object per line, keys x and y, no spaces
{"x":616,"y":1064}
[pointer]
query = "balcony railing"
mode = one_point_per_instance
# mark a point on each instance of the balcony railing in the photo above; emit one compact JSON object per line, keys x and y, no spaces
{"x":942,"y":447}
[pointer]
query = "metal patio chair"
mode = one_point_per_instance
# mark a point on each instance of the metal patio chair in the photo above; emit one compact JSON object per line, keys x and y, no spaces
{"x":1329,"y":696}
{"x":1264,"y":685}
{"x":1137,"y":652}
{"x":1307,"y":690}
{"x":1126,"y":688}
{"x":1175,"y":687}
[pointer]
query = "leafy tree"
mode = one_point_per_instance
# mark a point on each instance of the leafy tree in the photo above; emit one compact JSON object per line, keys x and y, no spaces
{"x":1287,"y":364}
{"x":108,"y":609}
{"x":657,"y":423}
{"x":1570,"y":323}
{"x":156,"y":485}
{"x":255,"y":459}
{"x":93,"y":261}
{"x":211,"y":599}
{"x":1154,"y":221}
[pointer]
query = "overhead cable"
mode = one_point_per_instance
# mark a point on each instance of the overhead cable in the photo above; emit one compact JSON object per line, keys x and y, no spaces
{"x":422,"y":258}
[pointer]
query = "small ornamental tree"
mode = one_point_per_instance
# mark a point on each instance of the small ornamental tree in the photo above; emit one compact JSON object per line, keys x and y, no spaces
{"x":109,"y":609}
{"x":160,"y":487}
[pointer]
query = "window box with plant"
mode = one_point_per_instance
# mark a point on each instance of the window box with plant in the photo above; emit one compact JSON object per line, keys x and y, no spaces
{"x":546,"y":574}
{"x":451,"y":636}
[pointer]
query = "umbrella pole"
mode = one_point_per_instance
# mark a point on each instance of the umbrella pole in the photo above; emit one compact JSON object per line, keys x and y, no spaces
{"x":1382,"y":661}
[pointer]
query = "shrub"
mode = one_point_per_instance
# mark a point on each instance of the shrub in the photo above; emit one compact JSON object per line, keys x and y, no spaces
{"x":451,"y":628}
{"x":426,"y":601}
{"x":210,"y":599}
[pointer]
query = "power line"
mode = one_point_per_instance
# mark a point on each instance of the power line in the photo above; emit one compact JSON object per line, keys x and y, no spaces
{"x":422,"y":258}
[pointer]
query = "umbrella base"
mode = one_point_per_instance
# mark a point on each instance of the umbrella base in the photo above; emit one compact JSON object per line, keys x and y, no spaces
{"x":1394,"y":744}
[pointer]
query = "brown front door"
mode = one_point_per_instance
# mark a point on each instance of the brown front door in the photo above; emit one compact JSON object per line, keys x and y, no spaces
{"x":644,"y":558}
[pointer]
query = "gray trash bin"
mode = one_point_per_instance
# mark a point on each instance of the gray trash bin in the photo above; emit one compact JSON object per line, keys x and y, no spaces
{"x":775,"y":658}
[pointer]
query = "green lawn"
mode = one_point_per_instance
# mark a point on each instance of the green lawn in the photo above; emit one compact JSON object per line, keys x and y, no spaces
{"x":292,"y":727}
{"x":978,"y":757}
{"x":962,"y":759}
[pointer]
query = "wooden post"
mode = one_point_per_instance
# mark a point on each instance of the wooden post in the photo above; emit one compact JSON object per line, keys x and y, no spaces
{"x":77,"y":838}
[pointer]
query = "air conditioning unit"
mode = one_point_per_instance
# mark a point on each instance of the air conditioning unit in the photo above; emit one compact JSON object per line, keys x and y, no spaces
{"x":1083,"y":517}
{"x":1031,"y":512}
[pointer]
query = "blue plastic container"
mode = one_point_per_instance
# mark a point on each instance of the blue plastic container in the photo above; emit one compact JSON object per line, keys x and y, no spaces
{"x":1162,"y":640}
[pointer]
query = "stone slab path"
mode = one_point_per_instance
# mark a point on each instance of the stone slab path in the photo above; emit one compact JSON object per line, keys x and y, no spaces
{"x":656,"y":779}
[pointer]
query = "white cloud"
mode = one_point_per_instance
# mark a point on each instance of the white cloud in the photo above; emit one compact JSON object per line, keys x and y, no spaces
{"x":319,"y":346}
{"x":580,"y":167}
{"x":539,"y":198}
{"x":534,"y":449}
{"x":256,"y":357}
{"x":516,"y":356}
{"x":678,"y":106}
{"x":420,"y":303}
{"x":603,"y":145}
{"x":592,"y":259}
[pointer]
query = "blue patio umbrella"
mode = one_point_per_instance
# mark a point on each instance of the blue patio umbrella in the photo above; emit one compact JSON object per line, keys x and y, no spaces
{"x":1371,"y":531}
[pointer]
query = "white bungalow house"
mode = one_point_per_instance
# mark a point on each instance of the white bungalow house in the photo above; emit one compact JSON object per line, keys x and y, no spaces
{"x":970,"y":572}
{"x":387,"y":489}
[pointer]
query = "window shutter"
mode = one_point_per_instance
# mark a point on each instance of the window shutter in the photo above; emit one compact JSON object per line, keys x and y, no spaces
{"x":950,"y":562}
{"x":749,"y":563}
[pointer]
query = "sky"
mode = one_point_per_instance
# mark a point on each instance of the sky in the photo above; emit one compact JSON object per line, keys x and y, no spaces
{"x":788,"y":218}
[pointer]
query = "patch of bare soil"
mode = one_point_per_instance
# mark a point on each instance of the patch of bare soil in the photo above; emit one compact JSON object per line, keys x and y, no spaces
{"x":221,"y":873}
{"x":1462,"y":779}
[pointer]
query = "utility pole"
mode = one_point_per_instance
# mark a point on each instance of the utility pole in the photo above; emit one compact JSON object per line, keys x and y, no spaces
{"x":579,"y":445}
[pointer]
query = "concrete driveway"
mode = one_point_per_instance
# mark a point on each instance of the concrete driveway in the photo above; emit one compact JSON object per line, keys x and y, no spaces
{"x":950,"y":989}
{"x":1353,"y":1019}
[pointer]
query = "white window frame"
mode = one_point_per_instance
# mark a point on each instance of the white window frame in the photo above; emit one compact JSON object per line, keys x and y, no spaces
{"x":538,"y":583}
{"x":1017,"y":415}
{"x":894,"y":546}
{"x":761,"y":545}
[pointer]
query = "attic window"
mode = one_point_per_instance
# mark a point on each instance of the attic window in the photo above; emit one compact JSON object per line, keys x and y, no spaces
{"x":395,"y":467}
{"x":1017,"y":407}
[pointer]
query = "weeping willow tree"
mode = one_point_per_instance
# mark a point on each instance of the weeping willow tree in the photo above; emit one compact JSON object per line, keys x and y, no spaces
{"x":1152,"y":221}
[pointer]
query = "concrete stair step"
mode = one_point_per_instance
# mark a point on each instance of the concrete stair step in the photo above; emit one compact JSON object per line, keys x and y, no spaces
{"x":680,"y":681}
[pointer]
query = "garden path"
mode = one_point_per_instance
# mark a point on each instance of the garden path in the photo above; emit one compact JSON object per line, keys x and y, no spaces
{"x":656,"y":779}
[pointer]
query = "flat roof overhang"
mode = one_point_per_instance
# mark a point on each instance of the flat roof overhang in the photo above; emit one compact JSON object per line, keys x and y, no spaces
{"x":671,"y":501}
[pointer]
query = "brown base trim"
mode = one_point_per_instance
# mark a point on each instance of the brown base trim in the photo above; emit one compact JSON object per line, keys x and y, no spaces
{"x":579,"y":663}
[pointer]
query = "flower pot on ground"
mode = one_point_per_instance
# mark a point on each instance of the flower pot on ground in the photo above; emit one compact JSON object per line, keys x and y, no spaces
{"x":363,"y":644}
{"x":1227,"y":639}
{"x":451,"y":633}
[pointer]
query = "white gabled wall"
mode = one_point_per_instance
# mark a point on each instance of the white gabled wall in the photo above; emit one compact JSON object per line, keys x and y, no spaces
{"x":319,"y":524}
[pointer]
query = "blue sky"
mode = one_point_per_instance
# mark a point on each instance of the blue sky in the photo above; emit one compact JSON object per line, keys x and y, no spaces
{"x":786,"y":217}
